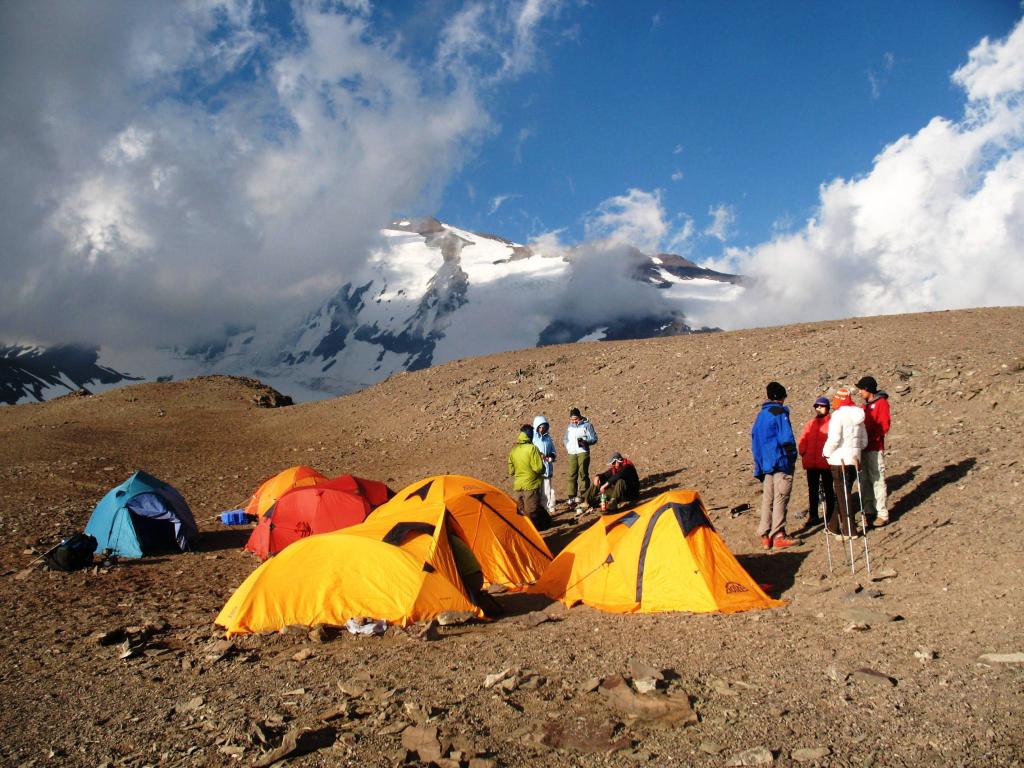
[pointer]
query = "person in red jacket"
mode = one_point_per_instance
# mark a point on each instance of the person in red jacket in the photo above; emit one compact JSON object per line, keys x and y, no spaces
{"x":819,"y":474}
{"x":872,"y":460}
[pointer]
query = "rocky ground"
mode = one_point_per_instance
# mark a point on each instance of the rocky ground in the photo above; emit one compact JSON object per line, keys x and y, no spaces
{"x":123,"y":666}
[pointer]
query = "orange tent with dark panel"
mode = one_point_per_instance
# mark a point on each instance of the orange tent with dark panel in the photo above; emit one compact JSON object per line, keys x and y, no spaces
{"x":402,"y":571}
{"x":277,"y":486}
{"x":322,"y":508}
{"x":662,"y":556}
{"x":505,"y":541}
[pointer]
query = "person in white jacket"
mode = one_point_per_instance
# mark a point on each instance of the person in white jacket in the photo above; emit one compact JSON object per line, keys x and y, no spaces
{"x":846,"y":439}
{"x":580,"y":435}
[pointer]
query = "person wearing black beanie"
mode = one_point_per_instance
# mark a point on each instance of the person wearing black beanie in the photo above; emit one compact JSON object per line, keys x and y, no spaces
{"x":773,"y":445}
{"x":877,"y":419}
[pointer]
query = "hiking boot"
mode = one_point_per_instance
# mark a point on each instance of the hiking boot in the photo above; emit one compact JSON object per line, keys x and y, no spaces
{"x":766,"y":542}
{"x":581,"y":510}
{"x":781,"y":541}
{"x":879,"y":522}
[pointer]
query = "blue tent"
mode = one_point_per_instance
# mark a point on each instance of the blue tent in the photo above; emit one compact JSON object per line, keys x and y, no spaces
{"x":142,"y":515}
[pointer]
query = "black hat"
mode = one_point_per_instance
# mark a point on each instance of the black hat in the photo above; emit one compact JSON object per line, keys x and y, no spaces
{"x":615,"y":457}
{"x":527,"y":430}
{"x":575,"y":412}
{"x":775,"y":391}
{"x":868,"y":384}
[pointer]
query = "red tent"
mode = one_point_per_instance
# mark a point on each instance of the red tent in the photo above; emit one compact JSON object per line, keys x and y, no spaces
{"x":337,"y":503}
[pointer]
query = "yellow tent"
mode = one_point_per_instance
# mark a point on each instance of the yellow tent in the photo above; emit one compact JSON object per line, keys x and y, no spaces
{"x":408,"y":574}
{"x":274,"y":488}
{"x":506,"y":543}
{"x":662,"y":556}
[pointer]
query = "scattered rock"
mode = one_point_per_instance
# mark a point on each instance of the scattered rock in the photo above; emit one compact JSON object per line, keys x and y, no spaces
{"x":298,"y":742}
{"x":428,"y":632}
{"x":808,"y":754}
{"x":865,"y":616}
{"x":590,"y":685}
{"x":722,"y":687}
{"x":535,"y":618}
{"x":305,"y":653}
{"x":1002,"y":658}
{"x":423,"y":741}
{"x":923,"y":654}
{"x":191,"y":705}
{"x":711,"y":747}
{"x":451,"y":618}
{"x":867,"y":675}
{"x":883,"y":574}
{"x":664,"y":709}
{"x":752,"y":756}
{"x":219,"y":649}
{"x":493,"y":679}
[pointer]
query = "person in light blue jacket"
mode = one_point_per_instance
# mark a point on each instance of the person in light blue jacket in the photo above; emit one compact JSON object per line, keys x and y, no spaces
{"x":546,"y":446}
{"x":579,"y":436}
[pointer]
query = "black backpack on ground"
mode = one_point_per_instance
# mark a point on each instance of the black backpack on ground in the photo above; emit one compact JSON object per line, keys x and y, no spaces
{"x":71,"y":554}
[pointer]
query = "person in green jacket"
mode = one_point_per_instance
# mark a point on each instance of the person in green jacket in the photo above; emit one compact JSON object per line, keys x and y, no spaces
{"x":526,"y":465}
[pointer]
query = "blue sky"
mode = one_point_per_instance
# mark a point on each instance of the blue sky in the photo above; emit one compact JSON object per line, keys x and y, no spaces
{"x":175,"y":170}
{"x":750,"y":105}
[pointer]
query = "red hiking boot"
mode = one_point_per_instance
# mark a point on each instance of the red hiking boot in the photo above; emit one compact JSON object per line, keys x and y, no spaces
{"x":781,"y":541}
{"x":766,"y":542}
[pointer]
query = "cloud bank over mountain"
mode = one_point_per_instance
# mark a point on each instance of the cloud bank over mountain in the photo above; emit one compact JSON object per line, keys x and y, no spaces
{"x":175,"y":169}
{"x":937,"y":223}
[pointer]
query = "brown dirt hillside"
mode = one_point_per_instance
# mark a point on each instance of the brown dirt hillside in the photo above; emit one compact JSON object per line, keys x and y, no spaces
{"x":122,"y":666}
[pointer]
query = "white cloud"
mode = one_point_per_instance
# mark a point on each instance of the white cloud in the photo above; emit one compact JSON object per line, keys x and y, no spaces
{"x":677,"y":176}
{"x":936,"y":223}
{"x":172,"y":169}
{"x":722,"y":219}
{"x":498,"y":201}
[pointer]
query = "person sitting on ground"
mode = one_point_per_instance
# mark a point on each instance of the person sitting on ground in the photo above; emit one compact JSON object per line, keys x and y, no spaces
{"x":619,"y":484}
{"x":846,"y":439}
{"x":526,"y":465}
{"x":812,"y":440}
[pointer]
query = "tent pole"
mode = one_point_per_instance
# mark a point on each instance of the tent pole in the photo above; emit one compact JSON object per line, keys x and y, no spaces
{"x":823,"y":510}
{"x":846,"y":517}
{"x":863,"y":520}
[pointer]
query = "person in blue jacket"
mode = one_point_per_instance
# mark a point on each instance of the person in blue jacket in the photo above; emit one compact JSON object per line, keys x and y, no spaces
{"x":546,"y":446}
{"x":774,"y":447}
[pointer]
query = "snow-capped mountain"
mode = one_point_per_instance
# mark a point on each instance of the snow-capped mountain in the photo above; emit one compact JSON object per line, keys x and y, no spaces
{"x":38,"y":373}
{"x":432,"y":293}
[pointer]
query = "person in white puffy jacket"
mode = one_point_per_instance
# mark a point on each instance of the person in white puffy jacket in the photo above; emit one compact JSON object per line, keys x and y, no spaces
{"x":847,"y":437}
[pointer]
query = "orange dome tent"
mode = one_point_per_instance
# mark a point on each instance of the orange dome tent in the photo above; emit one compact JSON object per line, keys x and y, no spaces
{"x":506,"y":543}
{"x":401,"y":572}
{"x":662,"y":556}
{"x":279,"y":485}
{"x":327,"y":506}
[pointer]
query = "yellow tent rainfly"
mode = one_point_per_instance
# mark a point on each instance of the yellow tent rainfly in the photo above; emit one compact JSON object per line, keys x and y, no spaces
{"x":407,"y":575}
{"x":662,"y":556}
{"x":510,"y":550}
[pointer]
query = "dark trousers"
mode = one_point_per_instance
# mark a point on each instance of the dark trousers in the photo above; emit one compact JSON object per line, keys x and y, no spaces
{"x":844,"y":521}
{"x":617,"y":493}
{"x":820,"y":479}
{"x":529,"y":505}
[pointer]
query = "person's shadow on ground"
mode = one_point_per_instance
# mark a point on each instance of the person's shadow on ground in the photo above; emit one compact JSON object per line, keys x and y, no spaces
{"x":776,"y":573}
{"x":951,"y":473}
{"x":655,"y":484}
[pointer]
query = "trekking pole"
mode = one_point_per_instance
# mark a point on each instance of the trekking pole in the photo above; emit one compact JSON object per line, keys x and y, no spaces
{"x":863,"y":520}
{"x":823,"y":509}
{"x":846,"y":515}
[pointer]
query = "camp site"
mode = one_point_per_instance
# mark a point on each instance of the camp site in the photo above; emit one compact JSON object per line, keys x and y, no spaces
{"x":332,"y":625}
